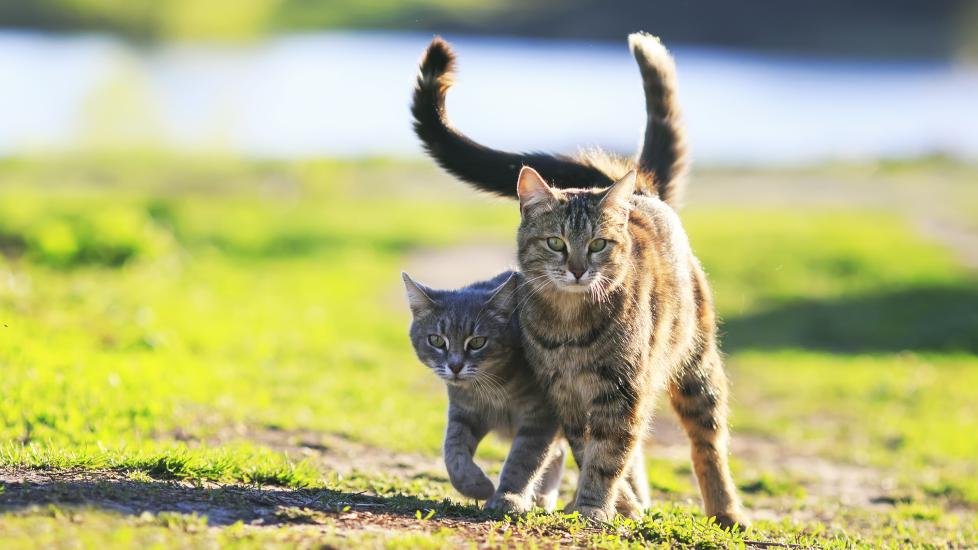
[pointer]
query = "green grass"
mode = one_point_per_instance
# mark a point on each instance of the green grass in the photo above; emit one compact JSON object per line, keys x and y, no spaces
{"x":155,"y":315}
{"x":235,"y":20}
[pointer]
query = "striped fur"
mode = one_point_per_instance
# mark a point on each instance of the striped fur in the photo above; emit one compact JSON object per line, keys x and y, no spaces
{"x":638,"y":321}
{"x":661,"y":163}
{"x":493,"y":390}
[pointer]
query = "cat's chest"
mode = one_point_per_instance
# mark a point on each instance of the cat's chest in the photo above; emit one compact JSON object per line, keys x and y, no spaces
{"x":570,"y":373}
{"x":502,"y":419}
{"x":501,"y":411}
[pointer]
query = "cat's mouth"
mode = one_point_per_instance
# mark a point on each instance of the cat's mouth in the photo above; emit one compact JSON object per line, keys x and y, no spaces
{"x":458,"y":381}
{"x":461,"y":378}
{"x":574,"y":286}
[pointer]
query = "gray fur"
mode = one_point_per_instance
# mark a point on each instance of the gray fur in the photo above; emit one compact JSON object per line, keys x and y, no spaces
{"x":493,"y":390}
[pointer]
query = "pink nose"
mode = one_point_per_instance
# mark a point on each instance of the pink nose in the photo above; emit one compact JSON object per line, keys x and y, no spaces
{"x":578,"y":274}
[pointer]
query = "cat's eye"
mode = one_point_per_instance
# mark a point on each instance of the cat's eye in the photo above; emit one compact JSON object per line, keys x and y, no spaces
{"x":476,"y":342}
{"x":437,"y":341}
{"x":556,"y":244}
{"x":597,"y":245}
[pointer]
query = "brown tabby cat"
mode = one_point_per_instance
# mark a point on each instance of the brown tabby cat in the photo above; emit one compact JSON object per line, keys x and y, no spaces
{"x":615,"y":306}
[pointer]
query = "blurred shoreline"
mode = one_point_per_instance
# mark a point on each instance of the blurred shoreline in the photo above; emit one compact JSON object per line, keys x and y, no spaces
{"x":345,"y":94}
{"x":871,"y":29}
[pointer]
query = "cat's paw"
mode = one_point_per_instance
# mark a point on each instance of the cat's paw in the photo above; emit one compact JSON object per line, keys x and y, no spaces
{"x":509,"y":503}
{"x":547,"y":501}
{"x":735,"y":519}
{"x":628,"y":507}
{"x":477,"y":487}
{"x":594,"y":513}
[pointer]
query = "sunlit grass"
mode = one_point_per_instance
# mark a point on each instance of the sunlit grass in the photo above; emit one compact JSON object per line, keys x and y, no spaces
{"x":148,"y":302}
{"x":236,"y":20}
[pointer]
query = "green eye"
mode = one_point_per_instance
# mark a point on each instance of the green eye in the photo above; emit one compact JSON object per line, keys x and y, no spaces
{"x":477,"y":342}
{"x":436,"y":341}
{"x":597,"y":245}
{"x":556,"y":243}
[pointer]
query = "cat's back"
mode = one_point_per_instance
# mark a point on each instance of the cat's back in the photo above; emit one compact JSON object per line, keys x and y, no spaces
{"x":654,"y":223}
{"x":488,"y":285}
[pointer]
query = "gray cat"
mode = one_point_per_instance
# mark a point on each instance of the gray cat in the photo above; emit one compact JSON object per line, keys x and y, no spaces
{"x":470,"y":339}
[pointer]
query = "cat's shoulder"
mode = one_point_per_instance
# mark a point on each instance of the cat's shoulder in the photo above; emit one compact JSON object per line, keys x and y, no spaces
{"x":665,"y":220}
{"x":655,"y":209}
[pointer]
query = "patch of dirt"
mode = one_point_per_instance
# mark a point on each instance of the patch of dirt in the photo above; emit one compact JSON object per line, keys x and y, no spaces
{"x":223,"y":504}
{"x":458,"y":266}
{"x":329,"y":452}
{"x":29,"y":491}
{"x":933,"y":201}
{"x":828,"y":484}
{"x":115,"y":491}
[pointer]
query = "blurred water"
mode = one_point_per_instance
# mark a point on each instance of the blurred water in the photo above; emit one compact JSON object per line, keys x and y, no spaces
{"x":347,"y":94}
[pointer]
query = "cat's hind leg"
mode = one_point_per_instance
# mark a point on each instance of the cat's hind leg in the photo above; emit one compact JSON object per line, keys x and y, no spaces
{"x":699,"y":396}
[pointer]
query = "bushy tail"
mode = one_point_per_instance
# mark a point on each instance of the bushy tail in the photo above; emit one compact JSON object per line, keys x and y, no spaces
{"x":487,"y":169}
{"x":664,"y":156}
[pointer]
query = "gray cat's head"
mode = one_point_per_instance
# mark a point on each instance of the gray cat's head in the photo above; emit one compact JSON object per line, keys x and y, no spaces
{"x":573,"y":240}
{"x":464,"y":335}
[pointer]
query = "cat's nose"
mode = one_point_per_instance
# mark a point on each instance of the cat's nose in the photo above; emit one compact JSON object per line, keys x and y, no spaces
{"x":455,"y":367}
{"x":578,"y":274}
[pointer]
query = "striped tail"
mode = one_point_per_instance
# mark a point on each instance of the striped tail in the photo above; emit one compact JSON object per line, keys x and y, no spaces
{"x":664,"y":157}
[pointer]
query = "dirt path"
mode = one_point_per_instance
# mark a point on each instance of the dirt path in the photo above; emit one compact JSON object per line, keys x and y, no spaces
{"x":325,"y":511}
{"x":829,"y":486}
{"x":941,"y":204}
{"x":460,"y":265}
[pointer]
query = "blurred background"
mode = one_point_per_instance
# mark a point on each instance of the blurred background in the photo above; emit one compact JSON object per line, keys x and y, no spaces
{"x":205,"y":207}
{"x":762,"y":83}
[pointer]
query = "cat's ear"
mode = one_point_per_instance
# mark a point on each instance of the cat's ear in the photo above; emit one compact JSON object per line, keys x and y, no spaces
{"x":418,"y":296}
{"x":620,"y":193}
{"x":504,"y":296}
{"x":532,"y":190}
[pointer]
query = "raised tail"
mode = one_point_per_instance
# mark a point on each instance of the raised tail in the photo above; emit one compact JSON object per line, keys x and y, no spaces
{"x":487,"y":169}
{"x":663,"y":157}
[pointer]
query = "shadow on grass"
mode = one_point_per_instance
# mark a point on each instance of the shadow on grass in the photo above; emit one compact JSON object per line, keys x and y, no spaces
{"x":221,"y":504}
{"x":925,"y":319}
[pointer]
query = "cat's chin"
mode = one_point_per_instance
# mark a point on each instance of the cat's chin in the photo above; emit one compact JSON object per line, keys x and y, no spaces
{"x":574,"y":288}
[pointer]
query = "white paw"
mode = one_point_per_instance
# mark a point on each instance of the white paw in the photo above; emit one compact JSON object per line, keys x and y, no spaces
{"x":547,"y":501}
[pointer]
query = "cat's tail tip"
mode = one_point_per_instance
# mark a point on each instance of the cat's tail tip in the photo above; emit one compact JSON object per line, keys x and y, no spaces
{"x":649,"y":51}
{"x":437,"y":62}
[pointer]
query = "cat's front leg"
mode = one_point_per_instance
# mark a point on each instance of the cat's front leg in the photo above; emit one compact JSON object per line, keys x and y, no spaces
{"x":463,"y":435}
{"x":615,"y":425}
{"x":531,"y":452}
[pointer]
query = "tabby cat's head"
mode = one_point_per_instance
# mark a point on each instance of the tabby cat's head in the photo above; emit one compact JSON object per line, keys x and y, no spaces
{"x":573,"y":240}
{"x":464,"y":335}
